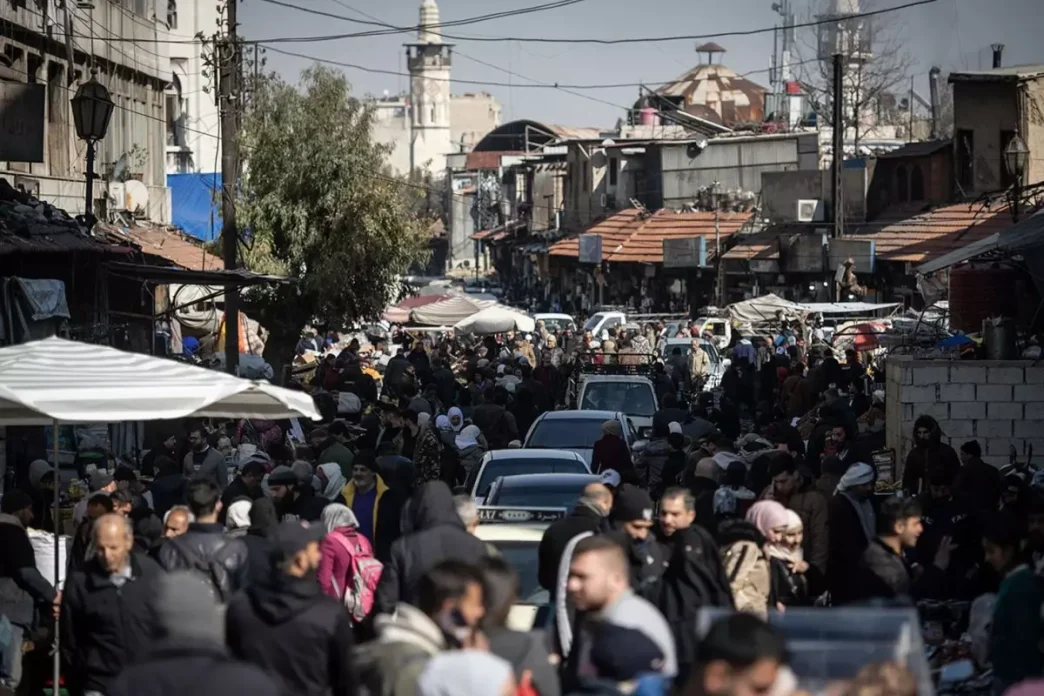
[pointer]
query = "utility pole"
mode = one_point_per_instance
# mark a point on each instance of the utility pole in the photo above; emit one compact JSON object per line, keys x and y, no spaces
{"x":230,"y":69}
{"x":836,"y":166}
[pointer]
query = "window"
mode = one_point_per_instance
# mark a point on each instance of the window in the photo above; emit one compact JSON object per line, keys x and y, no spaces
{"x":172,"y":14}
{"x":902,"y":193}
{"x":917,"y":183}
{"x":965,"y":158}
{"x":1006,"y":179}
{"x":612,"y":171}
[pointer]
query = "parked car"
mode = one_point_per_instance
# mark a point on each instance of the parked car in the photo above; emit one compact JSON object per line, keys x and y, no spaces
{"x":538,"y":490}
{"x":576,"y":431}
{"x":509,"y":462}
{"x":556,"y":322}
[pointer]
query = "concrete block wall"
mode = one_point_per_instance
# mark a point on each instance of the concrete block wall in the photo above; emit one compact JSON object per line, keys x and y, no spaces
{"x":1000,"y":403}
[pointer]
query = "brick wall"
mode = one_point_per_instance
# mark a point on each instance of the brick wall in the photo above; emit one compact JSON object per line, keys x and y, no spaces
{"x":997,"y":402}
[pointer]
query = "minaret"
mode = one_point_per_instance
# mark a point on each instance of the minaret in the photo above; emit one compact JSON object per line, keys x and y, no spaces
{"x":429,"y":61}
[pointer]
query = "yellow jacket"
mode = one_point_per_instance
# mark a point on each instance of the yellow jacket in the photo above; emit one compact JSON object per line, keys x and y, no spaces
{"x":348,"y":493}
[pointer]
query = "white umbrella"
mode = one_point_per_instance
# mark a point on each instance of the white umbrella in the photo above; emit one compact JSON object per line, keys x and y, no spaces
{"x":53,"y":380}
{"x":496,"y":319}
{"x":448,"y":311}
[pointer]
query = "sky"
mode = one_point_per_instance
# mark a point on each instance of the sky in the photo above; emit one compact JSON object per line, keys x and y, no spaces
{"x":953,"y":34}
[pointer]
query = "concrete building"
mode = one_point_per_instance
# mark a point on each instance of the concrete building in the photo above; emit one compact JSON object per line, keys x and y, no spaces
{"x":989,"y":106}
{"x":51,"y":52}
{"x":193,"y":145}
{"x":429,"y":123}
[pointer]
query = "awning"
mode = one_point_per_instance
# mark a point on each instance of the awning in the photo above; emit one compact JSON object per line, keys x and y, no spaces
{"x":166,"y":275}
{"x":847,"y":307}
{"x":449,"y":311}
{"x":1024,"y":235}
{"x":495,"y":319}
{"x":56,"y":379}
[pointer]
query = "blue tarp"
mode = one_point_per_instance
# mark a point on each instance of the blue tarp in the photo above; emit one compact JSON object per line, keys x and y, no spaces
{"x":196,"y":204}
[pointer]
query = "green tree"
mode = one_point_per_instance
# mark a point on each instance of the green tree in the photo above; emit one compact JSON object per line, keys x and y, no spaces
{"x":315,"y":207}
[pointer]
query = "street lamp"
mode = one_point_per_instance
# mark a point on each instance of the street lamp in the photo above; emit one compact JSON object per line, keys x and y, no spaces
{"x":1016,"y":157}
{"x":92,"y":110}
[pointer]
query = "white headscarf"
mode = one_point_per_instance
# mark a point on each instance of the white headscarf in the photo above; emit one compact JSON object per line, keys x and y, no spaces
{"x":857,"y":475}
{"x":238,"y":514}
{"x":468,"y":437}
{"x":443,"y":423}
{"x":458,"y":414}
{"x":335,"y":480}
{"x":336,"y":516}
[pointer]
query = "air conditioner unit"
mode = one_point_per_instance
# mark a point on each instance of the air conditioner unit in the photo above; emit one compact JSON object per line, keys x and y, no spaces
{"x":117,"y":196}
{"x":810,"y":210}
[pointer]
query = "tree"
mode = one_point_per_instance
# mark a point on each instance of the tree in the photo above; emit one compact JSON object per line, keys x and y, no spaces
{"x":877,"y":68}
{"x":316,"y":208}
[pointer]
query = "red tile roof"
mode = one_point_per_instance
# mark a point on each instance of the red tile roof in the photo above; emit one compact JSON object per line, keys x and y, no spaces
{"x":898,"y":235}
{"x":628,"y":237}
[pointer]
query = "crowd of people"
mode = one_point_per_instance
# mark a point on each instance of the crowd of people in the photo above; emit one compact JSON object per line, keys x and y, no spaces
{"x":257,"y":555}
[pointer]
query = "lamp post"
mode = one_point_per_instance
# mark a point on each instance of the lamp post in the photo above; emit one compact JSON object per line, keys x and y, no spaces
{"x":1016,"y":157}
{"x":92,"y":110}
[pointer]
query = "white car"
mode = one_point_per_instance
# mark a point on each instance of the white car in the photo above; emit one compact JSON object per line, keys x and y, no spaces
{"x":632,"y":395}
{"x":517,"y":542}
{"x":509,"y":462}
{"x":576,"y":431}
{"x":556,"y":322}
{"x":718,"y":365}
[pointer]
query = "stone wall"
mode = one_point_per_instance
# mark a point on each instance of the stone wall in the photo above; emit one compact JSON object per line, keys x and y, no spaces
{"x":997,"y":402}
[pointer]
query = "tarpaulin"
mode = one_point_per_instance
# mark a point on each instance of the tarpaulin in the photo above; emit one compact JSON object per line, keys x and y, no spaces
{"x":195,"y":202}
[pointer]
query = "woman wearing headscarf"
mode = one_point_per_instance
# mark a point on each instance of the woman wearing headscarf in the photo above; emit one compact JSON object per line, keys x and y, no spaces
{"x":341,"y":543}
{"x":450,"y":469}
{"x":331,"y":481}
{"x":611,"y":451}
{"x":852,"y":526}
{"x":747,"y":565}
{"x":471,"y":447}
{"x":456,"y":419}
{"x":238,"y":519}
{"x":791,"y":573}
{"x":263,"y":521}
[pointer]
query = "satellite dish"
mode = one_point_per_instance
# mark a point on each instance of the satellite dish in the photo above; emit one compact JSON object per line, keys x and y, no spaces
{"x":137,"y":197}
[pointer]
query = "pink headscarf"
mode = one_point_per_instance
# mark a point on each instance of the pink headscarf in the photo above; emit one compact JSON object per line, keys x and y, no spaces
{"x":767,"y":515}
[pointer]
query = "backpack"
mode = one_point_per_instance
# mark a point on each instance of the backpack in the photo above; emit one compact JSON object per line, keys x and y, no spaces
{"x":364,"y":572}
{"x":209,"y":570}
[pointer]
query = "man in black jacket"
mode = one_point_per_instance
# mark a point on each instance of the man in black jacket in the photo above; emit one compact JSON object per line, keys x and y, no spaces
{"x":189,"y":654}
{"x":246,"y":485}
{"x":22,"y":587}
{"x":294,"y":501}
{"x":632,"y":519}
{"x":288,"y":627}
{"x":106,"y":616}
{"x":433,"y":533}
{"x":205,"y":548}
{"x":589,"y":516}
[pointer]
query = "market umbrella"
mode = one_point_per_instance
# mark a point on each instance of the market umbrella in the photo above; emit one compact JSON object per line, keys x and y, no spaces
{"x":448,"y":311}
{"x":496,"y":319}
{"x":54,"y":380}
{"x":400,"y":313}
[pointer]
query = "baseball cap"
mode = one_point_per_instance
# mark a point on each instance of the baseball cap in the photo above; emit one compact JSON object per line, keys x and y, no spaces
{"x":99,"y":480}
{"x":293,"y":536}
{"x":611,"y":478}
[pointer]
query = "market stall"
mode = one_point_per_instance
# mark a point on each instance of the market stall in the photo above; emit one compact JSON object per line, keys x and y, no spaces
{"x":55,"y":381}
{"x":448,"y":311}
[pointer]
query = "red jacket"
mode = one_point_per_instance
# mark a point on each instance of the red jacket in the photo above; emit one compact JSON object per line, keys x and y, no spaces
{"x":336,"y":562}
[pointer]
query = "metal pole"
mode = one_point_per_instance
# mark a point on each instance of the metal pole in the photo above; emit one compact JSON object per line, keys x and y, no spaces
{"x":57,"y":666}
{"x":839,"y":143}
{"x":231,"y":60}
{"x":88,"y":208}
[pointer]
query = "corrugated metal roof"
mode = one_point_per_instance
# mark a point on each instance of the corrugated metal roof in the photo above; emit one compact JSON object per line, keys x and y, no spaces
{"x":575,"y":133}
{"x":1021,"y":237}
{"x":757,"y":246}
{"x":487,"y":159}
{"x":1008,"y":73}
{"x":56,"y":240}
{"x":169,"y":244}
{"x":630,"y":237}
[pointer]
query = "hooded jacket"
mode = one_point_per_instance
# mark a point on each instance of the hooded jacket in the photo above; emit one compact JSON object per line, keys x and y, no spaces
{"x":105,"y":627}
{"x":392,"y":664}
{"x":924,"y":460}
{"x":22,"y":586}
{"x":175,"y":667}
{"x":747,"y":566}
{"x":557,"y":536}
{"x":434,"y":533}
{"x":301,"y":637}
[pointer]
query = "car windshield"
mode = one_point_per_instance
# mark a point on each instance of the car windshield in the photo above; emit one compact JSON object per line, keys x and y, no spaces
{"x":686,"y":348}
{"x":632,"y":398}
{"x":557,"y":324}
{"x":522,"y":556}
{"x":538,"y":496}
{"x":566,"y":433}
{"x":509,"y":467}
{"x":593,"y":322}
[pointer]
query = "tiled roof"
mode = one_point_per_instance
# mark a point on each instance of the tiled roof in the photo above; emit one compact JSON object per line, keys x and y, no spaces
{"x":915,"y":238}
{"x":171,"y":245}
{"x":922,"y":237}
{"x":628,"y":237}
{"x":920,"y":149}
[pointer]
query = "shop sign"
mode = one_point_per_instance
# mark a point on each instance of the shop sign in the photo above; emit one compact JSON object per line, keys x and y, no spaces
{"x":687,"y":252}
{"x":590,"y":248}
{"x":21,"y":122}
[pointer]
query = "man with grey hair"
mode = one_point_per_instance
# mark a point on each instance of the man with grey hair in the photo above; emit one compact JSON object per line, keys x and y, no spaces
{"x":467,"y":510}
{"x":106,"y":616}
{"x":189,"y":654}
{"x":176,"y":521}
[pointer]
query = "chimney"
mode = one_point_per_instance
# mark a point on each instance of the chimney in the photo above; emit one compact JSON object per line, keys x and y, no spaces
{"x":933,"y":85}
{"x":998,"y":51}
